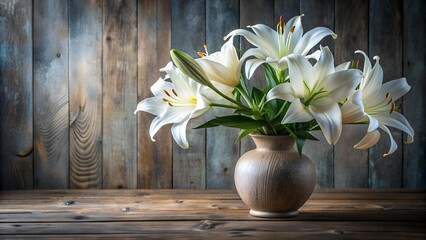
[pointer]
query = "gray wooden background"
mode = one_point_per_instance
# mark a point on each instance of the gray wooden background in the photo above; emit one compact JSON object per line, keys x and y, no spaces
{"x":72,"y":72}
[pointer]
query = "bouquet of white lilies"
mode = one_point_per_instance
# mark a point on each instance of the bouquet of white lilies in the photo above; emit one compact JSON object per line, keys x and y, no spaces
{"x":302,"y":92}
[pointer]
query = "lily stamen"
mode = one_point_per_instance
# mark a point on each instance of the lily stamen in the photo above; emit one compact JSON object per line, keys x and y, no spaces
{"x":174,"y":92}
{"x":392,"y":107}
{"x":205,"y":49}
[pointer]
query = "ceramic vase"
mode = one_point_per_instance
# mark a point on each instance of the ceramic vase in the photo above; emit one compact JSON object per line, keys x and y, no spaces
{"x":273,"y":179}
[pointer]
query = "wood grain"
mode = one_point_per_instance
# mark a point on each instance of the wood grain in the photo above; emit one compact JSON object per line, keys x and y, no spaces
{"x":221,"y":150}
{"x":351,"y":165}
{"x":386,"y":20}
{"x":16,"y":95}
{"x":119,"y":83}
{"x":321,"y":153}
{"x":187,"y":214}
{"x":85,"y":93}
{"x":287,"y":9}
{"x":52,"y":81}
{"x":51,"y":120}
{"x":414,"y":69}
{"x":155,"y":160}
{"x":188,"y":31}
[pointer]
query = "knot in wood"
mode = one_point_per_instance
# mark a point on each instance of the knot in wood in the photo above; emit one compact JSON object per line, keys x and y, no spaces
{"x":126,"y":209}
{"x":338,"y":231}
{"x":70,"y":202}
{"x":80,"y":218}
{"x":205,"y":225}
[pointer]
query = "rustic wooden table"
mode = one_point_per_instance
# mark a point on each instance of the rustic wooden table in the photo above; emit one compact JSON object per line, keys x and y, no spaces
{"x":208,"y":214}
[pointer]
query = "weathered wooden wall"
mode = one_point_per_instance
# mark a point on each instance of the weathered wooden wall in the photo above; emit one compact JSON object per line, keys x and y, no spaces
{"x":72,"y":72}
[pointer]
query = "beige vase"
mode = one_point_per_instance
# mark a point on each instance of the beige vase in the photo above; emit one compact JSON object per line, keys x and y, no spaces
{"x":273,"y":180}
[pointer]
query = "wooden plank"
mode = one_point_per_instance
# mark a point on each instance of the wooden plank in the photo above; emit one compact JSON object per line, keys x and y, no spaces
{"x":16,"y":95}
{"x":222,"y":153}
{"x":320,"y":152}
{"x":313,"y":17}
{"x":351,"y":165}
{"x":188,"y":35}
{"x":414,"y":69}
{"x":287,"y":9}
{"x":51,"y":120}
{"x":319,"y":194}
{"x":334,"y":234}
{"x":225,"y":229}
{"x":85,"y":93}
{"x":213,"y":210}
{"x":255,"y":12}
{"x":177,"y":205}
{"x":119,"y":94}
{"x":385,"y":40}
{"x":155,"y":160}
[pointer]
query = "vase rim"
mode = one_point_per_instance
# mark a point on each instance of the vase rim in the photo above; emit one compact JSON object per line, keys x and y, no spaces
{"x":263,"y":135}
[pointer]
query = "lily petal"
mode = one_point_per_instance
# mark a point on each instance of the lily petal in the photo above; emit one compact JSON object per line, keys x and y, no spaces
{"x":343,"y":66}
{"x":315,"y":55}
{"x":172,"y":115}
{"x":325,"y":64}
{"x":297,"y":112}
{"x":330,"y":121}
{"x":252,"y":38}
{"x":269,"y":38}
{"x":397,"y":88}
{"x":153,"y":105}
{"x":372,"y":83}
{"x":300,"y":71}
{"x":311,"y":38}
{"x":179,"y":134}
{"x":393,"y":145}
{"x":295,"y":22}
{"x":370,"y":139}
{"x":373,"y":123}
{"x":251,"y":66}
{"x":281,"y":91}
{"x":342,"y":84}
{"x":398,"y":121}
{"x":353,"y":109}
{"x":367,"y":63}
{"x":159,"y":86}
{"x":218,"y":72}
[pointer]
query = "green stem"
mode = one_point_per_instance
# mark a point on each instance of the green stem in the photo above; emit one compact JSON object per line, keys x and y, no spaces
{"x":224,"y":106}
{"x":228,"y":98}
{"x":242,"y":89}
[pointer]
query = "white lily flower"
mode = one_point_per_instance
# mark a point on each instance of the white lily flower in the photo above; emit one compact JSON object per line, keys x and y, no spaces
{"x":176,"y":100}
{"x":315,"y":91}
{"x":273,"y":46}
{"x":223,"y":66}
{"x":374,"y":103}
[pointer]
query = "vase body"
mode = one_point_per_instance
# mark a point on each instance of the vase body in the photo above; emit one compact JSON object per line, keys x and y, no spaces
{"x":273,"y":179}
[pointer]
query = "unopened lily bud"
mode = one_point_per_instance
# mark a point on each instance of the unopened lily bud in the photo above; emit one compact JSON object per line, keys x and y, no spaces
{"x":189,"y":67}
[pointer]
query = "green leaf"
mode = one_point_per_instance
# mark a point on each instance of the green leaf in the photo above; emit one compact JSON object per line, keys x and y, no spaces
{"x":189,"y":67}
{"x":243,"y":111}
{"x":305,"y":135}
{"x":271,"y":77}
{"x":257,"y":95}
{"x":234,"y":121}
{"x":299,"y":144}
{"x":243,"y":133}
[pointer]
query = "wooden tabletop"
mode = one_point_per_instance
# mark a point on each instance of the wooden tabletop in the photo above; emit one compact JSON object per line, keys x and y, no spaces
{"x":208,"y":214}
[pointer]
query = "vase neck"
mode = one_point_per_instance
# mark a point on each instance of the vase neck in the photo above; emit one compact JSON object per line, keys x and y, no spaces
{"x":274,"y":143}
